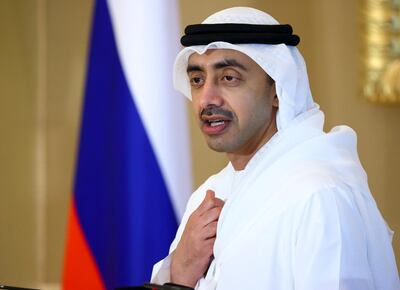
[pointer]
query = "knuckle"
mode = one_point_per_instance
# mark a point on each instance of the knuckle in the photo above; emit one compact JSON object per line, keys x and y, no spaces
{"x":192,"y":216}
{"x":212,"y":226}
{"x":218,"y":210}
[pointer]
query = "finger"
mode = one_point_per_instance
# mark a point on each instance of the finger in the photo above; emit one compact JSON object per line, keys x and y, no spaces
{"x":210,"y":193}
{"x":210,"y":215}
{"x":208,"y":201}
{"x":197,"y":222}
{"x":210,"y":231}
{"x":209,"y":246}
{"x":219,"y":202}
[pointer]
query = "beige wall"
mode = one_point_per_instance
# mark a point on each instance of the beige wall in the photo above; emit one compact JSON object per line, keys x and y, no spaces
{"x":18,"y":237}
{"x":65,"y":70}
{"x":42,"y":66}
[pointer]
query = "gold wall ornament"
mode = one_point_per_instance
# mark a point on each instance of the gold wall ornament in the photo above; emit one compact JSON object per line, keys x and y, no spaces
{"x":382,"y":51}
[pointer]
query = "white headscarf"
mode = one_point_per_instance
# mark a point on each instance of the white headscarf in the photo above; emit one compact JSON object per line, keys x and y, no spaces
{"x":284,"y":64}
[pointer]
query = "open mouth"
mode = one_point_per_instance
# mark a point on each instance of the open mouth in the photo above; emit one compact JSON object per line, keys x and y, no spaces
{"x":214,"y":126}
{"x":215,"y":123}
{"x":215,"y":120}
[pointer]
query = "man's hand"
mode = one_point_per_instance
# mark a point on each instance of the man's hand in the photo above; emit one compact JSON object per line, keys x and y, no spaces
{"x":192,"y":256}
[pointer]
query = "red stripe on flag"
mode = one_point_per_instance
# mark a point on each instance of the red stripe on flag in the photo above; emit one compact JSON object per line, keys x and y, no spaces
{"x":80,"y":269}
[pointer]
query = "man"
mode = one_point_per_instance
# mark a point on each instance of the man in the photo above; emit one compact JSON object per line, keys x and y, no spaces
{"x":292,"y":209}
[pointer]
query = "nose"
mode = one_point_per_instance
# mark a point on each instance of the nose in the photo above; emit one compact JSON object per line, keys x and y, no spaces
{"x":210,"y":94}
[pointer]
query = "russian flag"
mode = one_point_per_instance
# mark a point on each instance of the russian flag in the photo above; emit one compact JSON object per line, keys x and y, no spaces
{"x":133,"y":169}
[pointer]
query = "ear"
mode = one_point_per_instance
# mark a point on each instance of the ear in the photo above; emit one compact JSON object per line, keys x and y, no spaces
{"x":275,"y":101}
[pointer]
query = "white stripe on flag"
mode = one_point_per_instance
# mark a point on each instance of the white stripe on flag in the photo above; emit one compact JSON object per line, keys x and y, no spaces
{"x":147,"y":36}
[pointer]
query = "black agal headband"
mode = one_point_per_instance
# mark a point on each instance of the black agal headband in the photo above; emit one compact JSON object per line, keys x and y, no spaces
{"x":202,"y":34}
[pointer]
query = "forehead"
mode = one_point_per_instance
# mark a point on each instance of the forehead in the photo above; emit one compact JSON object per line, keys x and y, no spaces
{"x":212,"y":56}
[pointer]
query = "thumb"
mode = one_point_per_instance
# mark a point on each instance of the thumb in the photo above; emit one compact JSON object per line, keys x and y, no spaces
{"x":207,"y":202}
{"x":210,"y":194}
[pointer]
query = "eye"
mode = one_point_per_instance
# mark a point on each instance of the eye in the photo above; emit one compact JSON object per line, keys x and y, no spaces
{"x":230,"y":80}
{"x":196,"y":81}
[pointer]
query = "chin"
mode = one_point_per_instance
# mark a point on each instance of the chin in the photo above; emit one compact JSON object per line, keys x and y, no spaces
{"x":216,"y":148}
{"x":221,"y":146}
{"x":216,"y":145}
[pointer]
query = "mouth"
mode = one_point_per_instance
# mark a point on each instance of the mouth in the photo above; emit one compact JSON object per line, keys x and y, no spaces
{"x":216,"y":123}
{"x":215,"y":120}
{"x":215,"y":126}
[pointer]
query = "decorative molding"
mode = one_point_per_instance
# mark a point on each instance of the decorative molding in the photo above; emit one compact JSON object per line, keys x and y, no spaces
{"x":381,"y":62}
{"x":40,"y":146}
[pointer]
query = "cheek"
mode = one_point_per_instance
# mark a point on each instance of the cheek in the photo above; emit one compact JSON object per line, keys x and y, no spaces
{"x":195,"y":105}
{"x":243,"y":113}
{"x":238,"y":99}
{"x":255,"y":111}
{"x":244,"y":104}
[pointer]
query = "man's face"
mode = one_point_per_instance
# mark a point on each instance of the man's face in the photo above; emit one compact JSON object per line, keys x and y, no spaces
{"x":234,"y":99}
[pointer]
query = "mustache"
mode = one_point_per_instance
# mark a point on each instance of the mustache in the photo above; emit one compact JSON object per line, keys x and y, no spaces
{"x":212,"y":110}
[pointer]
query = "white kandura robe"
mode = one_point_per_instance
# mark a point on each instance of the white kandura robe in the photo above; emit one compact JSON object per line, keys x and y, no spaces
{"x":300,"y":216}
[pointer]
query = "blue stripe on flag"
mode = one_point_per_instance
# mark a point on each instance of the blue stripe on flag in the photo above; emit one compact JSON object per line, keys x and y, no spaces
{"x":122,"y":200}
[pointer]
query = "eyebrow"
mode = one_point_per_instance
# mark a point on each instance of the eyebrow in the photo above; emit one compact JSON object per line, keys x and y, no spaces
{"x":226,"y":62}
